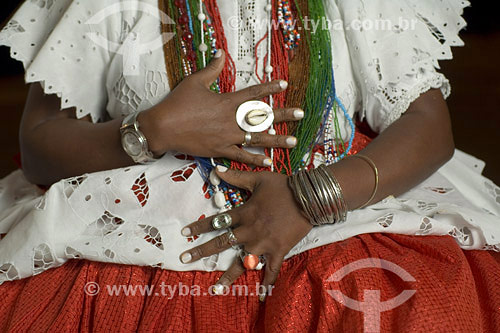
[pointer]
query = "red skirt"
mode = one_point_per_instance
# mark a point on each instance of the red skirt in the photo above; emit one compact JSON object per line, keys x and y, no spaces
{"x":454,"y":290}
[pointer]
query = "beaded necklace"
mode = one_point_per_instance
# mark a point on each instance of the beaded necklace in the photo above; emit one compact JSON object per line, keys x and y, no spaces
{"x":199,"y":22}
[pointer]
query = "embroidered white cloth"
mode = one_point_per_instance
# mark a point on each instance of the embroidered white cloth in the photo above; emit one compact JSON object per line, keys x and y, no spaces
{"x":86,"y":52}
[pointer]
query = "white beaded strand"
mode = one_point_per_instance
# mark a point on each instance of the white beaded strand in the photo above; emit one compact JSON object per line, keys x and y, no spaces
{"x":202,"y":17}
{"x":219,"y":197}
{"x":269,"y":68}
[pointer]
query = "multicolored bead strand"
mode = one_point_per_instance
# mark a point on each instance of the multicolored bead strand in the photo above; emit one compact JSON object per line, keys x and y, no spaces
{"x":286,"y":20}
{"x":200,"y":33}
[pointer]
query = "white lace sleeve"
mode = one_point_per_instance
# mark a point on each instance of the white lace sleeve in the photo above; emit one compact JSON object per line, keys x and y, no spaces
{"x":52,"y":41}
{"x":395,"y":48}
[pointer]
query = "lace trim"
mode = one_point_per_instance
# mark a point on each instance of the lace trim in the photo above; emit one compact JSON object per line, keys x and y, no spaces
{"x":50,"y":88}
{"x":437,"y":81}
{"x":20,"y":50}
{"x":410,"y":58}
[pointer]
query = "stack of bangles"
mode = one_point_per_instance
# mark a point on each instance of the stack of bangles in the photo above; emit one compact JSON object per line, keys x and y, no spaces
{"x":320,"y":196}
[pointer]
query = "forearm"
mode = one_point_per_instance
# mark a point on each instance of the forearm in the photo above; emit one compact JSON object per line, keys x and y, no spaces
{"x":406,"y":153}
{"x":63,"y":148}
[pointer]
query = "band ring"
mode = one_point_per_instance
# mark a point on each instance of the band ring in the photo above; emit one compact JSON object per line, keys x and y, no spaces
{"x":222,"y":221}
{"x":248,"y":139}
{"x":232,"y":240}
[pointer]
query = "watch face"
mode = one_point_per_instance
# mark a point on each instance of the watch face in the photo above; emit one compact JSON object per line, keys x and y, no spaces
{"x":132,"y":144}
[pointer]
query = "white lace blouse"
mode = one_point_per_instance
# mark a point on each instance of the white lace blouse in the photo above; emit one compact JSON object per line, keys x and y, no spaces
{"x":105,"y":58}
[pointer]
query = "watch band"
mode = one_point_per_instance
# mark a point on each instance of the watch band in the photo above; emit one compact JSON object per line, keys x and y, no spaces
{"x":131,"y":125}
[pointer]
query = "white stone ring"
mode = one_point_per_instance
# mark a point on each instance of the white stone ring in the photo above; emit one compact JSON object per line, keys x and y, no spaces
{"x":254,"y":116}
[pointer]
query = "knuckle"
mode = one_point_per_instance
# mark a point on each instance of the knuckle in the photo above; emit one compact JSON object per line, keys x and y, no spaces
{"x":278,"y":141}
{"x":257,"y":139}
{"x":274,"y":269}
{"x":239,"y":155}
{"x":195,"y":229}
{"x":221,"y":241}
{"x":250,"y":213}
{"x":198,"y":252}
{"x":255,"y":91}
{"x":212,"y":67}
{"x":231,"y":275}
{"x":238,"y":174}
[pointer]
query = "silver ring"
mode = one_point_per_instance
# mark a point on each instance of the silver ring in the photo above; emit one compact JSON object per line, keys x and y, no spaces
{"x":248,"y":139}
{"x":222,"y":221}
{"x":232,"y":240}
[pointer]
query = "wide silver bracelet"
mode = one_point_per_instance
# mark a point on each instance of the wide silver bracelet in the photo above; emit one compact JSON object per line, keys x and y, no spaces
{"x":319,"y":194}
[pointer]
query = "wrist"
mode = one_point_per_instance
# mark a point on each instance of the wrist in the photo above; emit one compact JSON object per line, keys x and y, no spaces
{"x":151,"y":129}
{"x":356,"y":179}
{"x":320,"y":196}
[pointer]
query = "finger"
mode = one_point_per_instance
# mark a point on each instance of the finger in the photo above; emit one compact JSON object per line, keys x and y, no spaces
{"x":213,"y":246}
{"x":242,"y":179}
{"x":211,"y":72}
{"x":228,"y":278}
{"x":236,"y":154}
{"x":289,"y":114}
{"x":272,"y":270}
{"x":260,"y":91}
{"x":205,"y":225}
{"x":272,"y":141}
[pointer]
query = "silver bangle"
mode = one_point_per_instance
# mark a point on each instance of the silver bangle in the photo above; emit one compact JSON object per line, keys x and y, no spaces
{"x":319,"y":194}
{"x":343,"y":209}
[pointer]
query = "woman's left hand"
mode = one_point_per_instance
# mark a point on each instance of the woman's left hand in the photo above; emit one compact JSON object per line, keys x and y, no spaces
{"x":269,"y":224}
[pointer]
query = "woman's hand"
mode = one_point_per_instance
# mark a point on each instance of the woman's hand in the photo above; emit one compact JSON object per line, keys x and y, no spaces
{"x":194,"y":120}
{"x":269,"y":224}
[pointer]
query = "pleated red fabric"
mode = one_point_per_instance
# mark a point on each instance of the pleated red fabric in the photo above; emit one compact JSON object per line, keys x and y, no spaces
{"x":455,"y":291}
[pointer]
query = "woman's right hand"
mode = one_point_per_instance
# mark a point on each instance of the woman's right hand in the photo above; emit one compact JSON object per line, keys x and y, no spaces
{"x":196,"y":121}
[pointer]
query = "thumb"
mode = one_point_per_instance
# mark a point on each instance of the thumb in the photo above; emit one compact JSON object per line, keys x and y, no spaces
{"x":241,"y":179}
{"x":209,"y":74}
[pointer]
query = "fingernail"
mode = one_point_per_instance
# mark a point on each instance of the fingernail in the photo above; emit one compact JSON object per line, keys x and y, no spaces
{"x":186,"y":232}
{"x":186,"y":257}
{"x":221,"y":168}
{"x":218,"y":289}
{"x":291,"y":142}
{"x":298,"y":114}
{"x":268,"y":162}
{"x":283,"y":84}
{"x":218,"y":54}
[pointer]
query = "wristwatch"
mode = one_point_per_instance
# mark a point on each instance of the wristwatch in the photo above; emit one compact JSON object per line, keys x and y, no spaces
{"x":134,"y":142}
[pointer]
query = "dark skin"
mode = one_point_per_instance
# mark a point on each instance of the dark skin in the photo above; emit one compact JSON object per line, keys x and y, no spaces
{"x":55,"y":145}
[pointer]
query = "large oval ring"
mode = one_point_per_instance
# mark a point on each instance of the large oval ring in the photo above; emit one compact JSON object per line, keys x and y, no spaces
{"x":252,"y":261}
{"x":254,"y":116}
{"x":222,"y":221}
